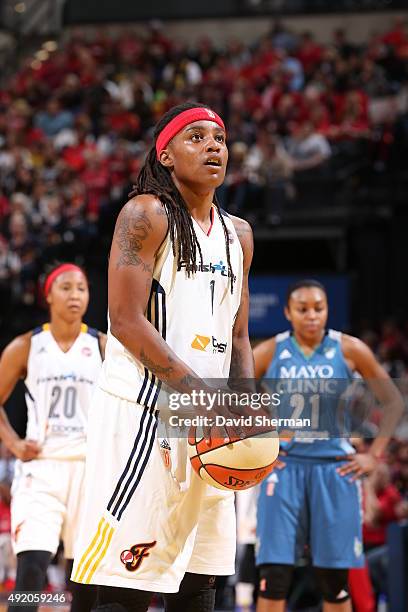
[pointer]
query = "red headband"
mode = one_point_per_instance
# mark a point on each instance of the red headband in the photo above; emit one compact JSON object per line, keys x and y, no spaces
{"x":68,"y":267}
{"x":180,"y":121}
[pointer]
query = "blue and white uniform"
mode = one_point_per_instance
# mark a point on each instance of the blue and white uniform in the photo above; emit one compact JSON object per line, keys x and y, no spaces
{"x":308,"y":502}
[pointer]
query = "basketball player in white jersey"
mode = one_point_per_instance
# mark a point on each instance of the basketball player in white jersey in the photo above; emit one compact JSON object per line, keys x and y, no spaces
{"x":59,"y":363}
{"x":178,"y":310}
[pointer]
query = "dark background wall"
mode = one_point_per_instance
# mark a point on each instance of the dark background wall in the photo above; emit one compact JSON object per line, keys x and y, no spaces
{"x":98,"y":11}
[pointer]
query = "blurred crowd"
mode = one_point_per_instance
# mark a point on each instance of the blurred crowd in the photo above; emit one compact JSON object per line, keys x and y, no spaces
{"x":76,"y":120}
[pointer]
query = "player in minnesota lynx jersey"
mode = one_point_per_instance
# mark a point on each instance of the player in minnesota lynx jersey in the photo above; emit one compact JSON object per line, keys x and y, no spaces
{"x":178,"y":309}
{"x":59,"y":362}
{"x":314,"y":498}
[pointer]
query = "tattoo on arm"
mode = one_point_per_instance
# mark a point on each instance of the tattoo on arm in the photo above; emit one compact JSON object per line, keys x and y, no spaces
{"x":237,"y":361}
{"x":243,"y":230}
{"x":241,"y":368}
{"x":163,"y":372}
{"x":190,"y":382}
{"x":133,"y":228}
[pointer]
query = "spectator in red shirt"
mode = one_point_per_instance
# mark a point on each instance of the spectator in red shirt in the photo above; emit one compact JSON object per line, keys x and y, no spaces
{"x":119,"y":163}
{"x":96,"y":180}
{"x":101,"y":46}
{"x":4,"y":206}
{"x":385,"y":506}
{"x":397,"y":36}
{"x":309,"y":53}
{"x":121,"y":121}
{"x":75,"y":155}
{"x":351,"y":117}
{"x":400,"y":472}
{"x":320,"y":118}
{"x":129,"y":48}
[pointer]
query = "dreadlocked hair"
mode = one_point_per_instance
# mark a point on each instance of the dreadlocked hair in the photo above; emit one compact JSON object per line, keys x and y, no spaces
{"x":154,"y":178}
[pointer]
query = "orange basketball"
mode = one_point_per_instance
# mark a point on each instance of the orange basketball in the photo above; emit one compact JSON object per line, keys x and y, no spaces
{"x":235,"y":465}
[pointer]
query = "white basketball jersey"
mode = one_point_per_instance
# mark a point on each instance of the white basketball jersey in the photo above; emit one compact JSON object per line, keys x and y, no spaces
{"x":58,"y":391}
{"x":194,"y":314}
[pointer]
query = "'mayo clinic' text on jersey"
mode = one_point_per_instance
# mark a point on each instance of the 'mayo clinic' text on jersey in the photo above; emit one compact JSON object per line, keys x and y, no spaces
{"x":312,"y":387}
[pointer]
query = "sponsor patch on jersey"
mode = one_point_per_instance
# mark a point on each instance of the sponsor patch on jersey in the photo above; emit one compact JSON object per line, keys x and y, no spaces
{"x":133,"y":557}
{"x":285,"y":354}
{"x":200,"y":343}
{"x":307,"y":371}
{"x":212,"y":268}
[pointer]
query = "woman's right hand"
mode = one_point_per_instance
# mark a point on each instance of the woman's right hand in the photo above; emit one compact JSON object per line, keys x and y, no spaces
{"x":25,"y":450}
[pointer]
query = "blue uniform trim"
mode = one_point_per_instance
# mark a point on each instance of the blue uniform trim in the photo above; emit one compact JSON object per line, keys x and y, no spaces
{"x":93,"y":332}
{"x":156,"y":314}
{"x":135,"y":465}
{"x":27,"y":392}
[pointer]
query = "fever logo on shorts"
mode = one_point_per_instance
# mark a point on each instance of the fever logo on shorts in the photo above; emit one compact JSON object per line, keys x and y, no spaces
{"x":200,"y":342}
{"x":165,"y":450}
{"x":132,"y":558}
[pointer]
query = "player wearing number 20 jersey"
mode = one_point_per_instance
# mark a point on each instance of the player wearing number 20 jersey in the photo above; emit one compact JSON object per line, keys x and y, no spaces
{"x":59,"y":387}
{"x":59,"y":362}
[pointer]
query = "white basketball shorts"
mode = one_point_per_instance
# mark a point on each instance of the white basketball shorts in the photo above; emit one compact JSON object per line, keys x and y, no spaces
{"x":45,"y":504}
{"x":148,"y":518}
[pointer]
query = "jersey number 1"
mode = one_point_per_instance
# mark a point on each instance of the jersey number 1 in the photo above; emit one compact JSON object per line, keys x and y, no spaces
{"x":212,"y":289}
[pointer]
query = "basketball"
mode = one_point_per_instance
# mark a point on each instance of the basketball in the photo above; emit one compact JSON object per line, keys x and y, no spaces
{"x":237,"y":465}
{"x":126,"y":556}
